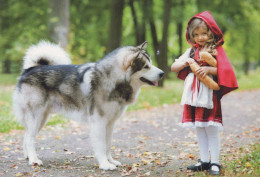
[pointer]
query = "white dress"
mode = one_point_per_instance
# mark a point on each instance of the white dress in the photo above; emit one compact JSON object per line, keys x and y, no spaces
{"x":198,"y":96}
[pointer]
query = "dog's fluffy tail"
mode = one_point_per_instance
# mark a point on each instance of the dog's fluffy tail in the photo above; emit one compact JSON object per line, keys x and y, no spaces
{"x":45,"y":53}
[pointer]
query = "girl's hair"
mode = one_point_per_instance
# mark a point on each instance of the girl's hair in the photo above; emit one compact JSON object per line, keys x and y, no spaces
{"x":211,"y":43}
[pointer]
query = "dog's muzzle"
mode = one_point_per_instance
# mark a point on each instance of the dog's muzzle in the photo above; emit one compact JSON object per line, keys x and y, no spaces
{"x":161,"y":75}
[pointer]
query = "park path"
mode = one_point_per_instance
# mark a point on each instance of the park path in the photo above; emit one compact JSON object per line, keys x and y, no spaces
{"x":147,"y":142}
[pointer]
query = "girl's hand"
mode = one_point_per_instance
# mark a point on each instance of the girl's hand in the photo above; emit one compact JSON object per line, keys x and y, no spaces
{"x":189,"y":61}
{"x":202,"y":71}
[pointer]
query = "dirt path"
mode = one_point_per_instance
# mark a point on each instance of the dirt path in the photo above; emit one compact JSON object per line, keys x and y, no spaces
{"x":147,"y":142}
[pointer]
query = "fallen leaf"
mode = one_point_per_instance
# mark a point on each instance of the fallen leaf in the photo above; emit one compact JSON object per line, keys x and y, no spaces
{"x":6,"y":149}
{"x":248,"y":164}
{"x":18,"y":174}
{"x":136,"y":165}
{"x":147,"y":174}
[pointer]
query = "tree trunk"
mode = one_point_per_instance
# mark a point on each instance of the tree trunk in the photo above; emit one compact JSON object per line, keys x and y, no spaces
{"x":139,"y":26}
{"x":180,"y":26}
{"x":179,"y":31}
{"x":161,"y":48}
{"x":246,"y":55}
{"x":58,"y":27}
{"x":6,"y":68}
{"x":115,"y":31}
{"x":163,"y":57}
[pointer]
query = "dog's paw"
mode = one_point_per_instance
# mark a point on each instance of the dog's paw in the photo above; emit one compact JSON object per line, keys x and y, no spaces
{"x":115,"y":162}
{"x":35,"y":162}
{"x":25,"y":155}
{"x":107,"y":166}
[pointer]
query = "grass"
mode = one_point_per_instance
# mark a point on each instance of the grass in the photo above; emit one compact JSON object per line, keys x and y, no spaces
{"x":8,"y":79}
{"x":7,"y":119}
{"x":245,"y":163}
{"x":149,"y":97}
{"x":250,"y":81}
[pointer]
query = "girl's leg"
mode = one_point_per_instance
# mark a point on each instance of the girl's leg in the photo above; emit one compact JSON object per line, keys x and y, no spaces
{"x":203,"y":144}
{"x":214,"y":145}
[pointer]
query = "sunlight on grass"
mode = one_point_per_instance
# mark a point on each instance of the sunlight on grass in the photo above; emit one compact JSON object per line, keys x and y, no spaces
{"x":156,"y":96}
{"x":9,"y":79}
{"x":250,"y":81}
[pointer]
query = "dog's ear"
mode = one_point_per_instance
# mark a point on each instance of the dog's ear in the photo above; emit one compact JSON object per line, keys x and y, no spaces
{"x":128,"y":61}
{"x":143,"y":46}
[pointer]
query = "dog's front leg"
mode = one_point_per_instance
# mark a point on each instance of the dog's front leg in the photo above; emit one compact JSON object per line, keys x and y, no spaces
{"x":109,"y":135}
{"x":98,"y":140}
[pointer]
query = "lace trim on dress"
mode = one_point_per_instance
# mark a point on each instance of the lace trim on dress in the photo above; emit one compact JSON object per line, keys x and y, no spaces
{"x":201,"y":124}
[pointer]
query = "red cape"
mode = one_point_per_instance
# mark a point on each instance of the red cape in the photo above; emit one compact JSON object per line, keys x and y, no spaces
{"x":226,"y":76}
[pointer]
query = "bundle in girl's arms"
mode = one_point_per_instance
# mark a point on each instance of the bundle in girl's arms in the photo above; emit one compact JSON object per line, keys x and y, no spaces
{"x":208,"y":81}
{"x":207,"y":57}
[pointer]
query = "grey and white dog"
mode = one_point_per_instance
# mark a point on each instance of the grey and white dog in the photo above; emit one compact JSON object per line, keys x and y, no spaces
{"x":97,"y":93}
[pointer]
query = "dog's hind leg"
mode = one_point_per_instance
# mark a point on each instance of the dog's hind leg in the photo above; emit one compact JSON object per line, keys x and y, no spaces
{"x":109,"y":135}
{"x":98,"y":140}
{"x":33,"y":122}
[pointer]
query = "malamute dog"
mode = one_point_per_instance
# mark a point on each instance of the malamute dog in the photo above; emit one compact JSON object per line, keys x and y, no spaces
{"x":97,"y":93}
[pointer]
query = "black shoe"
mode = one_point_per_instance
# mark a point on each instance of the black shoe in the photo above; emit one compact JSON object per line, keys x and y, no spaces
{"x":203,"y":166}
{"x":212,"y":172}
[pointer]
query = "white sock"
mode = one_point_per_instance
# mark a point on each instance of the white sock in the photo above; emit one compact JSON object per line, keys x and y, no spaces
{"x":214,"y":143}
{"x":203,"y":144}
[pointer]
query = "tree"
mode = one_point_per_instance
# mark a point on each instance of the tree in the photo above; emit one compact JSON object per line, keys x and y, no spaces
{"x":5,"y":25}
{"x":161,"y":47}
{"x":179,"y":24}
{"x":115,"y":29}
{"x":140,"y":27}
{"x":59,"y":22}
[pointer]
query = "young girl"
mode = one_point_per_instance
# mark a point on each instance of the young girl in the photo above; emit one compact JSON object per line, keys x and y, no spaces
{"x":202,"y":108}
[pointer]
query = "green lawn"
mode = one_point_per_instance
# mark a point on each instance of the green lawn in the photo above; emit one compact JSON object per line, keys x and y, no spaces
{"x":149,"y":97}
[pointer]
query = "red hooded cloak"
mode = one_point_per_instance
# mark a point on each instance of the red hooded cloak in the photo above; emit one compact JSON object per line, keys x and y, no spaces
{"x":226,"y":76}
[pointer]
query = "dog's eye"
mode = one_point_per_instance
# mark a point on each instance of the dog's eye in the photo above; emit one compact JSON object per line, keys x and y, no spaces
{"x":146,"y":67}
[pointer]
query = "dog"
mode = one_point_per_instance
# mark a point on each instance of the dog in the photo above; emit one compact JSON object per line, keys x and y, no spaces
{"x":96,"y":93}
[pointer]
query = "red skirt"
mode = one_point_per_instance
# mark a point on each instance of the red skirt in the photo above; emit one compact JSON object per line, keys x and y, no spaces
{"x":203,"y":117}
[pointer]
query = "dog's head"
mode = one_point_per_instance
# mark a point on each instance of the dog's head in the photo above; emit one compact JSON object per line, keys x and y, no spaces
{"x":138,"y":64}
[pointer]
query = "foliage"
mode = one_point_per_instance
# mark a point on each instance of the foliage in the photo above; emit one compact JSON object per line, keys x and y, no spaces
{"x":24,"y":22}
{"x":89,"y":23}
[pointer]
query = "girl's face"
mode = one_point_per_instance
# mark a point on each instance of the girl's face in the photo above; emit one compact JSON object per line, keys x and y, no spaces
{"x":200,"y":36}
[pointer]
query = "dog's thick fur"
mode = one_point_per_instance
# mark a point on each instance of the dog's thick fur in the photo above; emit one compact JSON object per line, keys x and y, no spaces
{"x":97,"y":93}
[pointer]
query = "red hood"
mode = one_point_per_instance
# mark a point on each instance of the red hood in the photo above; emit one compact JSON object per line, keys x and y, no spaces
{"x":212,"y":25}
{"x":226,"y":76}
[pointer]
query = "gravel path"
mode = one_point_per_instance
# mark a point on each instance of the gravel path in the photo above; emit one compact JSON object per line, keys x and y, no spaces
{"x":147,"y":142}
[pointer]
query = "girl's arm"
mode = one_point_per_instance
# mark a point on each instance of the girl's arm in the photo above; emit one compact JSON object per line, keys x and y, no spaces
{"x":179,"y":65}
{"x":204,"y":70}
{"x":181,"y":62}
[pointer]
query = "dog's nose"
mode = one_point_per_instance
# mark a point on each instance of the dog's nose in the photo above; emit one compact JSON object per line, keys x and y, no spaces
{"x":161,"y":74}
